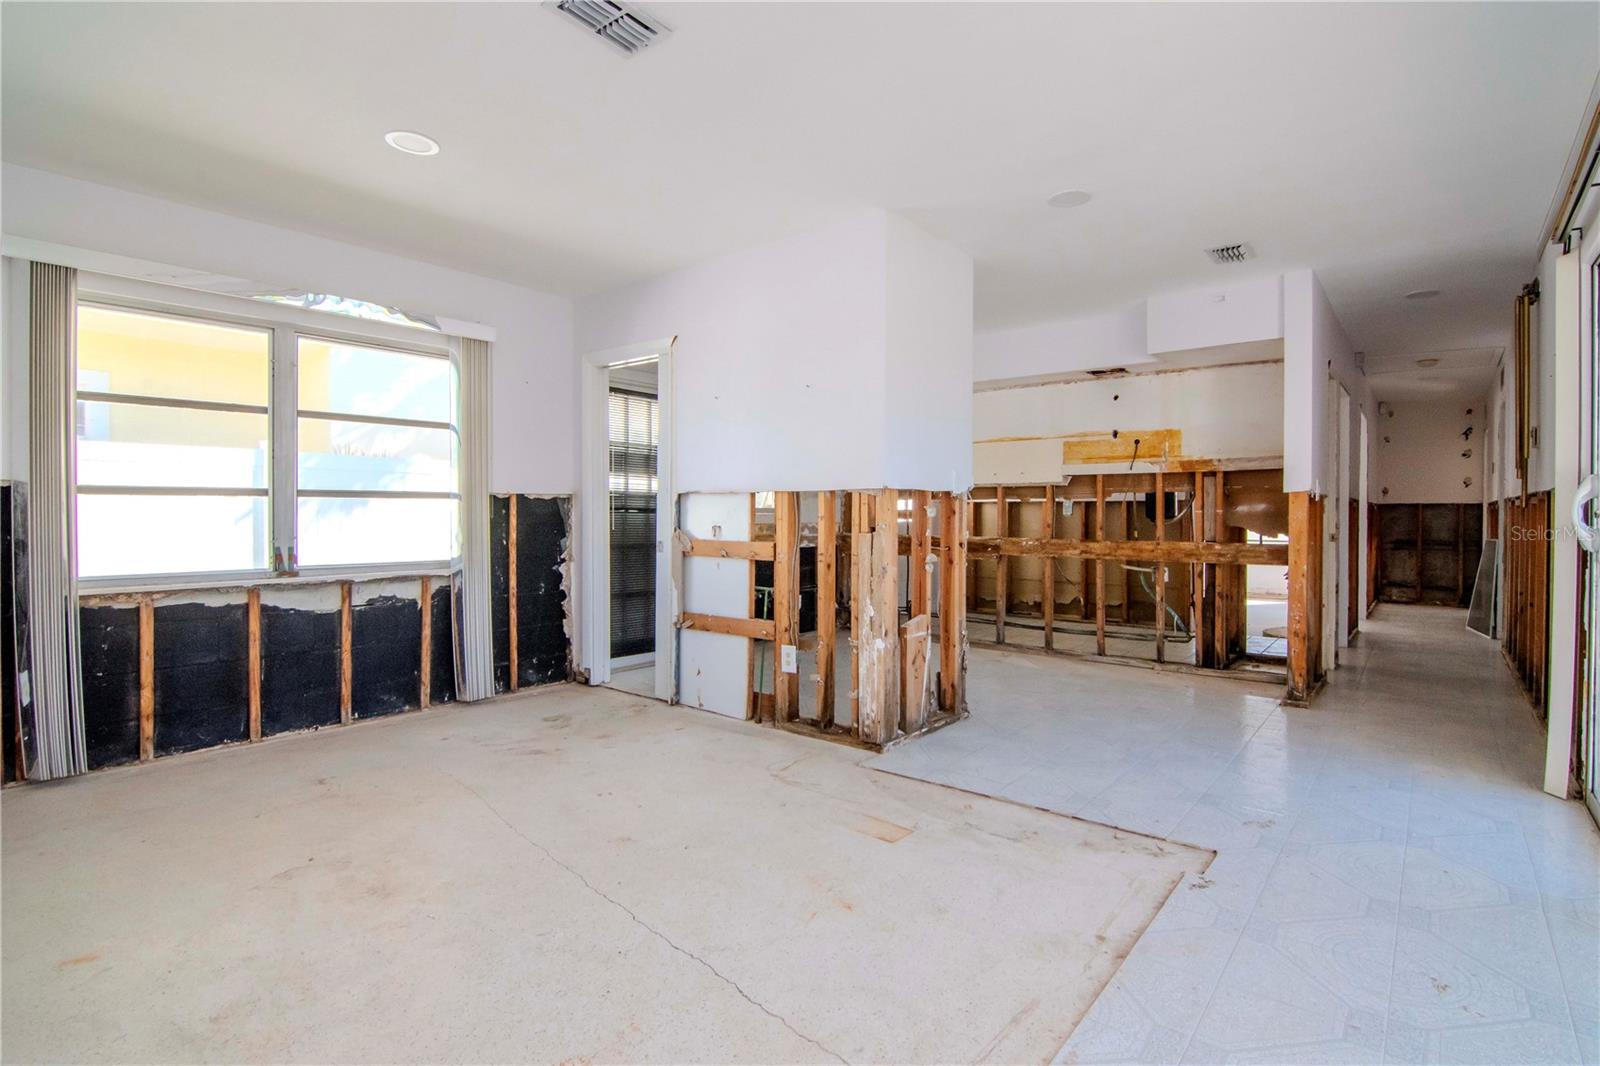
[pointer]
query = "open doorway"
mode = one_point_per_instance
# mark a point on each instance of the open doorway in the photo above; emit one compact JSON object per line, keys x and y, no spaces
{"x":633,"y":434}
{"x":626,"y":518}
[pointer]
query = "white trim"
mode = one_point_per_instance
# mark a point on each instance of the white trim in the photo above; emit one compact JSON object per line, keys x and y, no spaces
{"x":135,"y":271}
{"x":1562,"y":592}
{"x":628,"y":662}
{"x":591,"y":526}
{"x":242,"y":311}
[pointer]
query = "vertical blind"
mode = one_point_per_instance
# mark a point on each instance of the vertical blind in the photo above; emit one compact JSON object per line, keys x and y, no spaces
{"x":634,"y":436}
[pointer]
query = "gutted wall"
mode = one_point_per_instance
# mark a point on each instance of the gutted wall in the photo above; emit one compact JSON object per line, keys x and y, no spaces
{"x":534,"y":445}
{"x":1231,"y":413}
{"x":1431,"y":452}
{"x":787,"y":354}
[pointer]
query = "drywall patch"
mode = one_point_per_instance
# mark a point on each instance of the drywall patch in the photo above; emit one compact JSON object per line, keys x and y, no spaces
{"x":386,"y":652}
{"x":110,"y":655}
{"x":201,"y":676}
{"x":544,"y":649}
{"x":299,"y":658}
{"x":442,"y":676}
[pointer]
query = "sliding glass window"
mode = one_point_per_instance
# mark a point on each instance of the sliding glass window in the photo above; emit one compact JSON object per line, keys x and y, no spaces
{"x":184,"y":469}
{"x":173,"y":452}
{"x":377,"y":455}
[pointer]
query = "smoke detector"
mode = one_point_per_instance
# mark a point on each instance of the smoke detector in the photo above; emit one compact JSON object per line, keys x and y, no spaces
{"x":1229,"y":254}
{"x":626,"y":28}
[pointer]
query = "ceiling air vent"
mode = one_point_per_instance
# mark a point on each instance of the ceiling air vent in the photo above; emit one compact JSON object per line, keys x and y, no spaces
{"x":628,"y":29}
{"x":1229,"y":254}
{"x":1110,"y":372}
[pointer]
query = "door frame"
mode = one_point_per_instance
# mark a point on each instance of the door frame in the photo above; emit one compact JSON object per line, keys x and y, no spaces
{"x":593,"y":527}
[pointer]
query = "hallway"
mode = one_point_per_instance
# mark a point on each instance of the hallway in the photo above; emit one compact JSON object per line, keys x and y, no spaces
{"x":1390,"y":883}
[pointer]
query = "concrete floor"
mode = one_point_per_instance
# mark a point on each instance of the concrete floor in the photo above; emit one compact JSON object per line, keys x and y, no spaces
{"x":565,"y":875}
{"x":1390,"y":884}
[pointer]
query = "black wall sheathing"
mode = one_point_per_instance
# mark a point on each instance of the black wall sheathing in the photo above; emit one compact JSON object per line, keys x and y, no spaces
{"x":442,"y":681}
{"x":386,"y":656}
{"x":499,"y":589}
{"x":8,"y":647}
{"x":19,"y":707}
{"x":202,"y":676}
{"x":543,"y":647}
{"x":299,"y":668}
{"x":110,"y":640}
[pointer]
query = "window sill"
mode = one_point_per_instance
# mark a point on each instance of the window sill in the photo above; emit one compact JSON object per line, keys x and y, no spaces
{"x":240,"y":581}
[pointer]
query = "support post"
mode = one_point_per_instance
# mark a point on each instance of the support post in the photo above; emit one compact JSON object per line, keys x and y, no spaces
{"x":1197,"y":571}
{"x":917,"y":571}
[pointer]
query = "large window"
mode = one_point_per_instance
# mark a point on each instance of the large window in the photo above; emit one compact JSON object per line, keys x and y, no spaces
{"x":183,"y":467}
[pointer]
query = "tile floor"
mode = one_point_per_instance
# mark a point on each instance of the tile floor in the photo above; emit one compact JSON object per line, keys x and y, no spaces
{"x":1390,"y":884}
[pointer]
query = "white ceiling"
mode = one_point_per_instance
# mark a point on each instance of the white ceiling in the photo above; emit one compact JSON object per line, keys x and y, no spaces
{"x":1390,"y":147}
{"x":1463,"y":374}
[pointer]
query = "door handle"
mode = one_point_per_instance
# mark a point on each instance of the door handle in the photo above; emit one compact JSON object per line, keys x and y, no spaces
{"x":1587,"y":536}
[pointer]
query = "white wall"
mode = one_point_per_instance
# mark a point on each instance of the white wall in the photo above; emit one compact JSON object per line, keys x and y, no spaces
{"x":1224,"y":413}
{"x":1315,"y":348}
{"x":1420,"y":452}
{"x":785,"y":353}
{"x":534,"y":444}
{"x":929,"y":372}
{"x":1063,"y":346}
{"x":1234,"y":313}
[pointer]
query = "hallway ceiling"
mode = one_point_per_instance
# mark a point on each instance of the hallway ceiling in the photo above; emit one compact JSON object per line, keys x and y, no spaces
{"x":1391,"y":147}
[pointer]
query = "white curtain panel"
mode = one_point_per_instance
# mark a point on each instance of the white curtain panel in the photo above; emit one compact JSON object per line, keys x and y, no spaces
{"x":475,"y":647}
{"x":54,"y":746}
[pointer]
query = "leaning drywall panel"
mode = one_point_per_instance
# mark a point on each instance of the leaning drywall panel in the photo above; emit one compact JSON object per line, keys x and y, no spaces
{"x":1227,"y":413}
{"x":714,"y":668}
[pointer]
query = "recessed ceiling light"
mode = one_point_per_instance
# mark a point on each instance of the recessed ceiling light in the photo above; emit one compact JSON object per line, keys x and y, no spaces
{"x":1428,"y":362}
{"x":1070,"y":198}
{"x":1422,"y":294}
{"x":411,"y":142}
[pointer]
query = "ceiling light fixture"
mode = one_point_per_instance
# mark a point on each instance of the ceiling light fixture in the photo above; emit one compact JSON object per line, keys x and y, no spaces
{"x":1070,"y":198}
{"x":411,"y":142}
{"x":1422,"y":294}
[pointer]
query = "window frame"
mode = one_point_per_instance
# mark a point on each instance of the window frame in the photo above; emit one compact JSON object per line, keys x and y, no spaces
{"x":285,"y":326}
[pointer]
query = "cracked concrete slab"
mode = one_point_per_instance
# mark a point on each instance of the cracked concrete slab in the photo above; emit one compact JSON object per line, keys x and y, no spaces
{"x":567,"y":875}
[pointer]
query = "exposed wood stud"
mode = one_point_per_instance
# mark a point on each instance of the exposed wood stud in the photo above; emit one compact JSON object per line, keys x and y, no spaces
{"x":346,"y":663}
{"x":952,"y":603}
{"x":751,"y":628}
{"x":918,"y":573}
{"x":1047,"y":577}
{"x":425,"y":671}
{"x":878,"y":644}
{"x":700,"y":547}
{"x":914,"y":673}
{"x":1173,"y":551}
{"x":1161,"y":569}
{"x":1300,"y":576}
{"x":1127,"y":534}
{"x":1099,"y":565}
{"x":253,"y":654}
{"x":1197,"y":572}
{"x":786,"y":601}
{"x":859,"y":546}
{"x":827,"y":609}
{"x":1002,"y":569}
{"x":511,"y":587}
{"x":752,"y":705}
{"x":147,"y":678}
